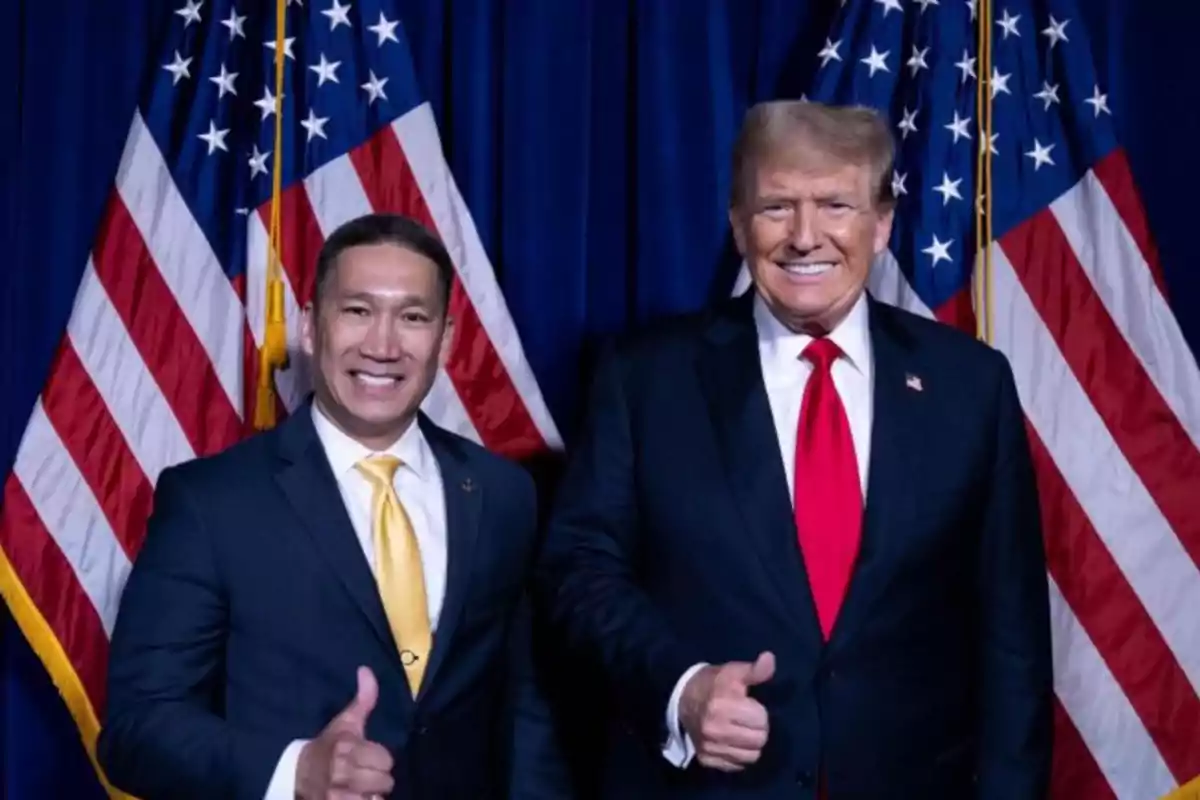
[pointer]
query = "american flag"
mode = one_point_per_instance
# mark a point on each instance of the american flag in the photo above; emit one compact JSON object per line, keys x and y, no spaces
{"x":160,"y":359}
{"x":1074,"y":297}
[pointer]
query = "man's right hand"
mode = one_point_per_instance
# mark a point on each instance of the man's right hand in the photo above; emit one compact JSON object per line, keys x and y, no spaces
{"x":341,"y":763}
{"x":728,"y":728}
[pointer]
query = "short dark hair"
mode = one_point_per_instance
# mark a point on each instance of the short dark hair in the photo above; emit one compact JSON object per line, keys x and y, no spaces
{"x":394,"y":229}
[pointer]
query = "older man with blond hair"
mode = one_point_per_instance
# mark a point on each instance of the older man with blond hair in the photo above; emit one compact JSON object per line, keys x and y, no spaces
{"x":799,"y":534}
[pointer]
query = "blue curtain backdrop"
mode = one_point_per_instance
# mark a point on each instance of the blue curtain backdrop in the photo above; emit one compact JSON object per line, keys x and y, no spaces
{"x":591,"y":141}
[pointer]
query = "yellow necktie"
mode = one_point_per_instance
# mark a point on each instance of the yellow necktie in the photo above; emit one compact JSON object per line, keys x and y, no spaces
{"x":398,"y":569}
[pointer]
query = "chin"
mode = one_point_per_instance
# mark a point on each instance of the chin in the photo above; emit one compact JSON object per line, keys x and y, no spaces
{"x":374,"y":416}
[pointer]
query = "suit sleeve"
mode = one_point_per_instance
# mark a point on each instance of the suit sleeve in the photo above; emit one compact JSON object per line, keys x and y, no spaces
{"x":1017,"y":681}
{"x":163,"y":736}
{"x":589,"y":566}
{"x":538,"y":766}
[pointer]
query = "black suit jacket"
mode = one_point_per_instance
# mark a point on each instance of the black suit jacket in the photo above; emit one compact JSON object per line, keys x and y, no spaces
{"x":250,"y":606}
{"x":673,"y":542}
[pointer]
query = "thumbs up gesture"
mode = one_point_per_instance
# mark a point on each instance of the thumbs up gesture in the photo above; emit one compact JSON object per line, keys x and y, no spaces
{"x":728,"y":727}
{"x":341,"y":762}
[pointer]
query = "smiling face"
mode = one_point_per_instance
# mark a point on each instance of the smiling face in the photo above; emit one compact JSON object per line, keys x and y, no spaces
{"x":377,"y":336}
{"x":809,"y":226}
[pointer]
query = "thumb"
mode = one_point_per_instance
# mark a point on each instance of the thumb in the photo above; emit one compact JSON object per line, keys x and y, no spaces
{"x":762,"y":670}
{"x":354,"y":716}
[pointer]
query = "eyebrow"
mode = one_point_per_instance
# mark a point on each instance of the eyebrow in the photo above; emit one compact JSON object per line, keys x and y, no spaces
{"x":404,"y":301}
{"x":844,"y":197}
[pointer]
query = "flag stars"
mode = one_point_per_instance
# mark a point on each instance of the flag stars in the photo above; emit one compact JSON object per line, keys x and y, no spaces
{"x":314,"y":125}
{"x":973,"y":7}
{"x":924,"y":4}
{"x":338,"y":15}
{"x":258,"y":163}
{"x":190,"y":12}
{"x":266,"y":103}
{"x":889,"y":6}
{"x":917,"y":60}
{"x":1048,"y":95}
{"x":224,"y":82}
{"x":385,"y":29}
{"x":966,"y":66}
{"x":948,"y":189}
{"x":1057,"y":32}
{"x":908,"y":124}
{"x":178,"y":68}
{"x":875,"y":61}
{"x":898,"y":179}
{"x":939,"y":250}
{"x":999,"y":82}
{"x":374,"y":88}
{"x":830,"y":52}
{"x":1098,"y":101}
{"x":991,"y":144}
{"x":959,"y":127}
{"x":1040,"y":155}
{"x":326,"y":70}
{"x":287,"y":46}
{"x":215,"y":139}
{"x":1009,"y":24}
{"x":234,"y":23}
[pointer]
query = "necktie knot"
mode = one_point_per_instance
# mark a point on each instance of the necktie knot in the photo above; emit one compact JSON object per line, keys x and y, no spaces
{"x":822,"y":353}
{"x":379,"y":470}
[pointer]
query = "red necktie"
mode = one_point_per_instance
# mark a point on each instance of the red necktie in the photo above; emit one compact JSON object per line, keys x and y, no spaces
{"x":828,"y":495}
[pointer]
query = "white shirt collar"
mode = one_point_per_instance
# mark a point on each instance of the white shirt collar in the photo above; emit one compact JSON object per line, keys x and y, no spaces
{"x":344,"y":452}
{"x":781,"y":347}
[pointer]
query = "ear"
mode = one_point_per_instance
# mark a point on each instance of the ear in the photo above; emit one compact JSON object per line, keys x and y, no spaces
{"x":737,"y":221}
{"x":883,"y":227}
{"x":446,"y":347}
{"x":308,"y":330}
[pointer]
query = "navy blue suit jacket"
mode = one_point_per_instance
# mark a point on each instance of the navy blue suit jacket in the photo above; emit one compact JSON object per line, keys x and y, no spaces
{"x":673,"y":542}
{"x":250,"y":606}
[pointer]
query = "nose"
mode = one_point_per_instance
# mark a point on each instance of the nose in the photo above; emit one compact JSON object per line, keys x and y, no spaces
{"x":383,"y":341}
{"x":803,"y":233}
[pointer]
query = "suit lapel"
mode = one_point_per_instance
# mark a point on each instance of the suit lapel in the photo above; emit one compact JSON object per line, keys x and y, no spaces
{"x":732,"y":380}
{"x":308,"y":483}
{"x":899,"y":406}
{"x":464,"y":498}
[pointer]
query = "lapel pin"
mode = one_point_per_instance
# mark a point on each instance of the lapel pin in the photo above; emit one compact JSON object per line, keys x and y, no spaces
{"x":468,"y":485}
{"x":913,"y":382}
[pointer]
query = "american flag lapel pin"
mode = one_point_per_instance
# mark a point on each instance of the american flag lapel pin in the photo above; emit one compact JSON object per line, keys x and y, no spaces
{"x":913,"y":382}
{"x":468,"y":485}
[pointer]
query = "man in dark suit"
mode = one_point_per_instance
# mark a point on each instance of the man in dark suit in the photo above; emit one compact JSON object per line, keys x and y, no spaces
{"x":799,"y":534}
{"x":336,"y":608}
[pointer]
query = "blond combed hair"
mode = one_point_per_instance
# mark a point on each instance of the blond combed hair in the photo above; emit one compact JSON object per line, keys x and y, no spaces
{"x":849,"y":134}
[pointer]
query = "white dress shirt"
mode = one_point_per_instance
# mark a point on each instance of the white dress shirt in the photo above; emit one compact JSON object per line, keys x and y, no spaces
{"x":785,"y":374}
{"x":418,"y":483}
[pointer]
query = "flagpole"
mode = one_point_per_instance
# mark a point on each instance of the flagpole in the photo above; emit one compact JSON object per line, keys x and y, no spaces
{"x":982,"y":277}
{"x":273,"y":354}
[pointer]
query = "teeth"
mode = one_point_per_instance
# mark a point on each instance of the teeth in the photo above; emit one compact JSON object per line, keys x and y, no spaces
{"x":374,"y":380}
{"x":809,"y":269}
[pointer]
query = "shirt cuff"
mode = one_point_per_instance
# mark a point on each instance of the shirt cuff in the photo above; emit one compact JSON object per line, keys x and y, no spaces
{"x":283,"y":782}
{"x":679,"y":749}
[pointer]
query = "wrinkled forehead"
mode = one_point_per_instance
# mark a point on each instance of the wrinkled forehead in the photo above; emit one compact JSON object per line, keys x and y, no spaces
{"x":803,"y":170}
